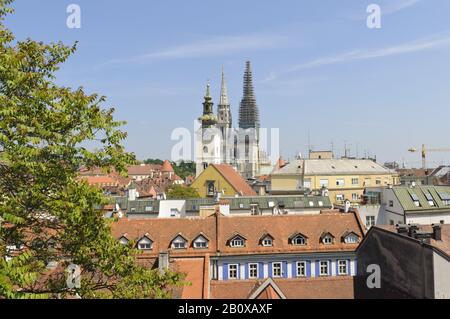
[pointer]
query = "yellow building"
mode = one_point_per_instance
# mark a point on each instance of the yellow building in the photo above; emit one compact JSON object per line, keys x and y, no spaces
{"x":344,"y":178}
{"x":221,"y":178}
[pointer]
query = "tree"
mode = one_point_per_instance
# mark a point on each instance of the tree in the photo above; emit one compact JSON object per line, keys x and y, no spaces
{"x":46,"y":213}
{"x":181,"y":192}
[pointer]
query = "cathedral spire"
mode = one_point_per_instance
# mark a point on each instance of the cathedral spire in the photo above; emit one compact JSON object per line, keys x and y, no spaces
{"x":223,"y":91}
{"x":248,"y":110}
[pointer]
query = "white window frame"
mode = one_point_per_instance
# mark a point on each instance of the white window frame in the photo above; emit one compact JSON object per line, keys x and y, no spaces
{"x":236,"y":269}
{"x":340,"y":197}
{"x":346,"y":239}
{"x":255,"y":269}
{"x":300,"y":265}
{"x":324,"y":263}
{"x":370,"y":221}
{"x":342,"y":265}
{"x":325,"y":239}
{"x":298,"y":237}
{"x":201,"y":240}
{"x":267,"y":239}
{"x":355,"y":196}
{"x":322,"y":184}
{"x":339,"y":180}
{"x":176,"y":243}
{"x":307,"y":183}
{"x":353,"y":181}
{"x":278,"y":263}
{"x":148,"y":245}
{"x":233,"y":242}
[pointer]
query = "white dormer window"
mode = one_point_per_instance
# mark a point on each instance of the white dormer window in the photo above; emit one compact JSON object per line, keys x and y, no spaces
{"x":267,"y":241}
{"x":237,"y":242}
{"x":311,"y":203}
{"x":145,"y":243}
{"x":201,"y":242}
{"x":351,"y":239}
{"x":299,"y":240}
{"x":327,"y":239}
{"x":179,"y":243}
{"x":123,"y":240}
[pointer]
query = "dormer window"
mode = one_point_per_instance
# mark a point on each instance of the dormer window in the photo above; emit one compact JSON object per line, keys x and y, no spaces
{"x":415,"y":199}
{"x":123,"y":240}
{"x":298,"y":240}
{"x":179,"y":242}
{"x":237,"y":241}
{"x":351,"y":238}
{"x":145,"y":243}
{"x":201,"y":242}
{"x":327,"y":239}
{"x":267,"y":241}
{"x":430,"y":199}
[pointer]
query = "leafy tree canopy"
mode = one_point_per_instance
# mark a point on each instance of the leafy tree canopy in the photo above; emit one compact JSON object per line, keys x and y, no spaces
{"x":181,"y":192}
{"x":46,"y":213}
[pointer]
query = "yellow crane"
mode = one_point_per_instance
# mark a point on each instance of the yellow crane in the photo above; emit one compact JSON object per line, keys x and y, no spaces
{"x":425,"y":151}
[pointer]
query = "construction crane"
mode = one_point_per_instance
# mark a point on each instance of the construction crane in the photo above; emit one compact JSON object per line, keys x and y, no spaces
{"x":425,"y":151}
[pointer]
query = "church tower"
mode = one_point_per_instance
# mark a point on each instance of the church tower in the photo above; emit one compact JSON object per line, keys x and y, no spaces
{"x":224,"y":123}
{"x":207,"y":148}
{"x":248,"y":133}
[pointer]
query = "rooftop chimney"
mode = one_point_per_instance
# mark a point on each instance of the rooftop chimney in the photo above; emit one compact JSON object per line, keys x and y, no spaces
{"x":402,"y":229}
{"x":437,"y":231}
{"x":413,"y":228}
{"x":163,"y":261}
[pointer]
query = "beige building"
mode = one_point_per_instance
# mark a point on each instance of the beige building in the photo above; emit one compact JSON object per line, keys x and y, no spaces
{"x":343,"y":178}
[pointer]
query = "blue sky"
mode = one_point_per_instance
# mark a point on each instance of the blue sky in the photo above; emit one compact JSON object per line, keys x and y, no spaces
{"x":317,"y":67}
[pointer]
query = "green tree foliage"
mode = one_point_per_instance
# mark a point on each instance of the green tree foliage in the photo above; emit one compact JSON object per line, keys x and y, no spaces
{"x":184,"y":169}
{"x":153,"y":161}
{"x":181,"y":192}
{"x":45,"y":211}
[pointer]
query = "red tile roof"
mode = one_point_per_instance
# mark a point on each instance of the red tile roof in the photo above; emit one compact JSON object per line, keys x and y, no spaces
{"x":235,"y":179}
{"x":166,"y":167}
{"x":341,"y":287}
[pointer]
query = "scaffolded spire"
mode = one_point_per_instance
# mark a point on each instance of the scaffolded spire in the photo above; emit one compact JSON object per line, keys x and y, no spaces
{"x":248,"y":110}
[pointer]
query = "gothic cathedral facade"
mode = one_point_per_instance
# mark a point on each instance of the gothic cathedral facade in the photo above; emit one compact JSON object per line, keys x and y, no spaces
{"x":217,"y":142}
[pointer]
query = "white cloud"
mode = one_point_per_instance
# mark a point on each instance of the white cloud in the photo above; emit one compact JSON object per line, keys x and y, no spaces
{"x":215,"y":46}
{"x":395,"y":6}
{"x":355,"y":55}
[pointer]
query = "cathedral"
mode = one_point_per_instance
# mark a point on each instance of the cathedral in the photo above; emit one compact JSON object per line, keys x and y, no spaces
{"x":217,"y":142}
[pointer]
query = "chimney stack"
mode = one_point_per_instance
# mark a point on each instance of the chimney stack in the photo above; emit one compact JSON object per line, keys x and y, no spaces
{"x":402,"y":229}
{"x":163,"y":261}
{"x":437,"y":231}
{"x":413,"y":228}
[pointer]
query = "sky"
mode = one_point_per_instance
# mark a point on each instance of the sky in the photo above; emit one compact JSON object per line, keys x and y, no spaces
{"x":321,"y":75}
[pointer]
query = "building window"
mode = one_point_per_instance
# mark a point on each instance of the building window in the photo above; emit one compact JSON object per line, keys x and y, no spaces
{"x":179,"y":243}
{"x":370,"y":221}
{"x":340,"y":197}
{"x":253,"y":271}
{"x":254,"y":209}
{"x":342,"y":267}
{"x":267,"y":241}
{"x":145,"y":244}
{"x":276,"y":270}
{"x":355,"y":181}
{"x":391,"y":203}
{"x":324,"y":268}
{"x":210,"y":188}
{"x":301,"y":269}
{"x":391,"y":222}
{"x":233,"y":271}
{"x":351,"y":239}
{"x":367,"y":182}
{"x":200,"y":242}
{"x":324,"y":183}
{"x":378,"y":182}
{"x":237,"y":242}
{"x":298,"y":240}
{"x":174,"y":212}
{"x":355,"y":197}
{"x":307,"y":183}
{"x":415,"y":199}
{"x":430,"y":199}
{"x":340,"y":182}
{"x":327,"y":240}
